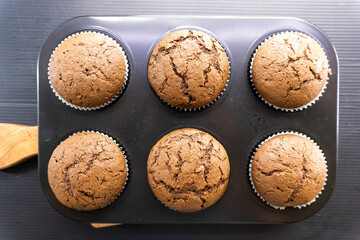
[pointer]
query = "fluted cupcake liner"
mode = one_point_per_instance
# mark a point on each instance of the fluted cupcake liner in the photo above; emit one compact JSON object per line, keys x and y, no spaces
{"x":250,"y":168}
{"x":110,"y":101}
{"x":120,"y":147}
{"x":167,"y":205}
{"x":270,"y":104}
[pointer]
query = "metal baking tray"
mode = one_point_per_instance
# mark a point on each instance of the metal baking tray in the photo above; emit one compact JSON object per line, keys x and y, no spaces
{"x":138,"y":119}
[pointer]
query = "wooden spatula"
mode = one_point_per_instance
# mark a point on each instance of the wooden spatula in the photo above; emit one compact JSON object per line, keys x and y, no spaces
{"x":17,"y":143}
{"x":102,"y":225}
{"x":20,"y":142}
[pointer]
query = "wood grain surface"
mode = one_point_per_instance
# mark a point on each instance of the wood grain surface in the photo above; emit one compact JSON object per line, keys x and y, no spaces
{"x":17,"y":144}
{"x":24,"y":26}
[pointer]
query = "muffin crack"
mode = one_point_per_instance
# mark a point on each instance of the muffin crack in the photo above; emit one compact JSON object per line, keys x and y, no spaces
{"x":203,"y":200}
{"x":67,"y":176}
{"x":298,"y":188}
{"x":182,"y":38}
{"x":270,"y":64}
{"x":179,"y":191}
{"x":212,"y":52}
{"x":289,"y":45}
{"x":90,"y":164}
{"x":184,"y":83}
{"x":301,"y":82}
{"x":305,"y":54}
{"x":315,"y":74}
{"x":285,"y":165}
{"x":205,"y":73}
{"x":88,"y":194}
{"x":206,"y":156}
{"x":210,"y":188}
{"x":178,"y":165}
{"x":270,"y":173}
{"x":163,"y":83}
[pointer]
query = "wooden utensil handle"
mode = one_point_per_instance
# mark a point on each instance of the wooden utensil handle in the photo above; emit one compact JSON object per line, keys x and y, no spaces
{"x":17,"y":143}
{"x":102,"y":225}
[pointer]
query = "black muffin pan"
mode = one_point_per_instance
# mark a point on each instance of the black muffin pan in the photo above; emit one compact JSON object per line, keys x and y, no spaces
{"x":138,"y":118}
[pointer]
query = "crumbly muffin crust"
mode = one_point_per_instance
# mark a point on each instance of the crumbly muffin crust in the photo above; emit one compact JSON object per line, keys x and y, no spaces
{"x":188,"y":69}
{"x":290,"y":70}
{"x":87,"y":171}
{"x":188,"y":170}
{"x":87,"y":70}
{"x":288,"y":170}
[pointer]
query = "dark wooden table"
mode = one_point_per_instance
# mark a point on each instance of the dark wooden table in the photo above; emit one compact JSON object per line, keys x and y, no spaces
{"x":24,"y":26}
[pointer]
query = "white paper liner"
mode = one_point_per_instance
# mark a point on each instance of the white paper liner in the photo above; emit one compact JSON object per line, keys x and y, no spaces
{"x":218,"y":97}
{"x":123,"y":152}
{"x":272,"y":105}
{"x":164,"y":203}
{"x":257,"y":148}
{"x":168,"y":206}
{"x":110,"y":101}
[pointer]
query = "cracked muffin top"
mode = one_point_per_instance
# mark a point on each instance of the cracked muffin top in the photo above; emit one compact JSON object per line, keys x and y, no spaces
{"x":188,"y":69}
{"x":188,"y":170}
{"x":87,"y":70}
{"x":290,"y":70}
{"x":87,"y":171}
{"x":288,"y":170}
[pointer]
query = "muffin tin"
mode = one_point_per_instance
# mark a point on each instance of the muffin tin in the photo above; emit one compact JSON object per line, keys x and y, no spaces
{"x":138,"y":118}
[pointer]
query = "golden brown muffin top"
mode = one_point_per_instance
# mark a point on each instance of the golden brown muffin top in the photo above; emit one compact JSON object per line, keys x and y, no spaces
{"x":290,"y":70}
{"x":188,"y":170}
{"x":288,"y":170}
{"x":188,"y":69}
{"x":87,"y":171}
{"x":87,"y":70}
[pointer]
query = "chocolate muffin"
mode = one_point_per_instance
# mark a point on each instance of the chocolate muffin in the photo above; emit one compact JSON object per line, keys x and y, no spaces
{"x":188,"y":69}
{"x":288,"y":170}
{"x":88,"y":70}
{"x":188,"y":170}
{"x":290,"y":70}
{"x":87,"y":171}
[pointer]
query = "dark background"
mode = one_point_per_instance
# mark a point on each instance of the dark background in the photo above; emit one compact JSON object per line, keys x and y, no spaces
{"x":24,"y":26}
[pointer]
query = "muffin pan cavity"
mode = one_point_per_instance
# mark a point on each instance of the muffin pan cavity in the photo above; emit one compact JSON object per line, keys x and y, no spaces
{"x":239,"y":120}
{"x":198,"y":59}
{"x":88,"y":171}
{"x":98,"y":65}
{"x":63,"y":208}
{"x":290,"y":169}
{"x":291,"y":69}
